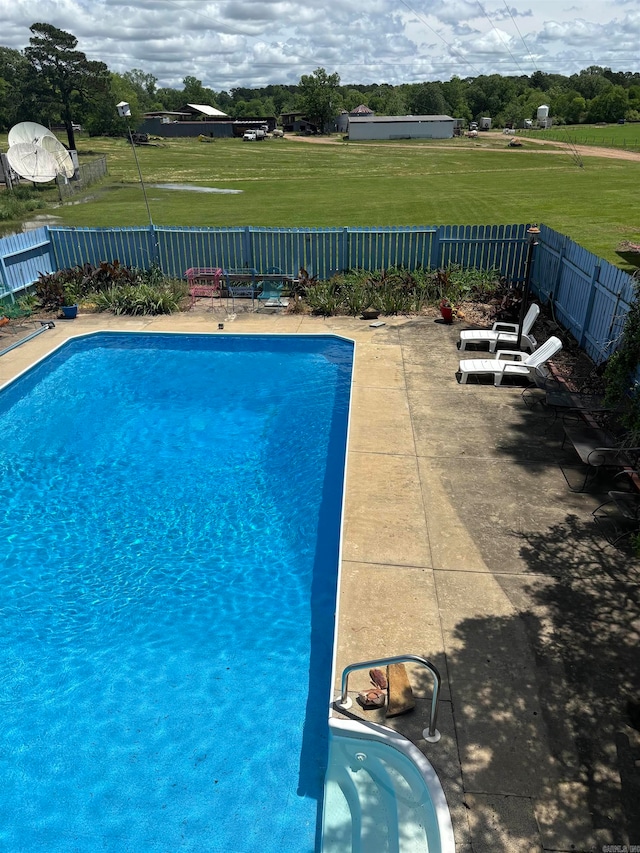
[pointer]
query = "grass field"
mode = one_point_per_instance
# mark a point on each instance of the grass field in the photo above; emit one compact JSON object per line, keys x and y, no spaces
{"x":298,"y":184}
{"x":625,"y":136}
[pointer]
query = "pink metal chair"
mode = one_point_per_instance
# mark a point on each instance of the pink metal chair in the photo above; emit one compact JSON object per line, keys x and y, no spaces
{"x":203,"y":281}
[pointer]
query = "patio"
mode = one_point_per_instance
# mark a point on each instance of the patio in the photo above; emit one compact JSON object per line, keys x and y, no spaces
{"x":462,"y":543}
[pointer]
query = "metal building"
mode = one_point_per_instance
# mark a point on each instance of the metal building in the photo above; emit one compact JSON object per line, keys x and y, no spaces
{"x":401,"y":127}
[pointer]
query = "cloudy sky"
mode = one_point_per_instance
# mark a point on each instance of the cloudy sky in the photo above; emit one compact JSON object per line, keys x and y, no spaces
{"x":232,"y":43}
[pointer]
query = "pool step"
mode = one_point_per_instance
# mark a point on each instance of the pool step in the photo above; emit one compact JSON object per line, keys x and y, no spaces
{"x":377,"y":801}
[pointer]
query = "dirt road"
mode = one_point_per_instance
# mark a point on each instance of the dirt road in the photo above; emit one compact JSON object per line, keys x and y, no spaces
{"x":552,"y":147}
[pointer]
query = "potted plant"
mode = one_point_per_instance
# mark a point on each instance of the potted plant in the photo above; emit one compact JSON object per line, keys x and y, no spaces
{"x":370,"y":313}
{"x":69,"y":302}
{"x":447,"y":310}
{"x":369,"y":310}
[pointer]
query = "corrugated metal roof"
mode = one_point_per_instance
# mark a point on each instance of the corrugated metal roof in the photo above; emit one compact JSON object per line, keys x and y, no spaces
{"x":206,"y":109}
{"x":384,"y":119}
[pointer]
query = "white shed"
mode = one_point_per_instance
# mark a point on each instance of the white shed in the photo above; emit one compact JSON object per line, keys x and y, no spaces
{"x":401,"y":127}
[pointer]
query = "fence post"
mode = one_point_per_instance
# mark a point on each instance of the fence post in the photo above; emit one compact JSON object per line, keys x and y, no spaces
{"x":343,"y":250}
{"x":436,"y":250}
{"x":154,"y":242}
{"x":247,"y":254}
{"x":3,"y":276}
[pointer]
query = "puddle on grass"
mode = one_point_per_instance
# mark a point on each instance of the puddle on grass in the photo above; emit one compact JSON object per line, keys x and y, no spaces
{"x":191,"y":188}
{"x":39,"y":221}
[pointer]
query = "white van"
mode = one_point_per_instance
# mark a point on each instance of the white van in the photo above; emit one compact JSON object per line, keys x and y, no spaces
{"x":250,"y":136}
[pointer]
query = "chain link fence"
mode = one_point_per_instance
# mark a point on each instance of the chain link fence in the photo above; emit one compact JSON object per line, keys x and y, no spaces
{"x":86,"y":174}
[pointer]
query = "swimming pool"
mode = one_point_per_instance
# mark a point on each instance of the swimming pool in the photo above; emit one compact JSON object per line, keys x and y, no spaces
{"x":169,"y":526}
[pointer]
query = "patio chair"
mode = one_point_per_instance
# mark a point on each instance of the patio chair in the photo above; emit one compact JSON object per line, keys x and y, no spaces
{"x":504,"y":333}
{"x":271,"y":294}
{"x":240,"y":283}
{"x":619,"y":516}
{"x":598,"y":451}
{"x":511,"y":363}
{"x":203,"y":282}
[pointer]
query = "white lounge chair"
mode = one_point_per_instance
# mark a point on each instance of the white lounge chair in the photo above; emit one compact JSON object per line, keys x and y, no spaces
{"x":504,"y":333}
{"x":512,"y":363}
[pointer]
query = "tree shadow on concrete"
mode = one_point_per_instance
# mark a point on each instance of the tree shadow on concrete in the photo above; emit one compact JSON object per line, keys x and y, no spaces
{"x":591,"y":610}
{"x":564,"y":669}
{"x":563,"y":672}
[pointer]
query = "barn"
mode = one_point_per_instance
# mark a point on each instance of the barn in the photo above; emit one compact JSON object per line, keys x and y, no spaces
{"x":400,"y":127}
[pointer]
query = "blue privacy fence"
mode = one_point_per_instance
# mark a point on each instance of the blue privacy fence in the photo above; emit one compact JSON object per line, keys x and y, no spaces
{"x":587,"y":295}
{"x":321,"y":251}
{"x":22,"y":258}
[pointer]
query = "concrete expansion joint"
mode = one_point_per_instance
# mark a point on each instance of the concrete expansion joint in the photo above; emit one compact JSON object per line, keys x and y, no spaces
{"x":418,"y":566}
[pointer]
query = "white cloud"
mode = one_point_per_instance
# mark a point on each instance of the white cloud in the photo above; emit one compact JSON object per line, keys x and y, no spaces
{"x":229,"y":43}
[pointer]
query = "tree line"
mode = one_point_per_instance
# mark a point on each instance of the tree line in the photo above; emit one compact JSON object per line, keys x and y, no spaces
{"x":54,"y":83}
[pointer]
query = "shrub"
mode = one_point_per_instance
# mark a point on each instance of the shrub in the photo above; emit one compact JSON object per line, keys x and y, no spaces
{"x":139,"y":299}
{"x":107,"y":277}
{"x":323,"y":297}
{"x":15,"y":204}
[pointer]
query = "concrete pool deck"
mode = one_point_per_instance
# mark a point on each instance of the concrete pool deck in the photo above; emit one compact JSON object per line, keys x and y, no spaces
{"x":463,"y":544}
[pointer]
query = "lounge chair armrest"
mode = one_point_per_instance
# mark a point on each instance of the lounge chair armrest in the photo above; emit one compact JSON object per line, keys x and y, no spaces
{"x":505,"y":327}
{"x":621,"y":456}
{"x":511,"y":355}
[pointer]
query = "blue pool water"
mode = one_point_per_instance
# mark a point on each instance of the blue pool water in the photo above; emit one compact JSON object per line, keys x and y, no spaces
{"x":169,"y":529}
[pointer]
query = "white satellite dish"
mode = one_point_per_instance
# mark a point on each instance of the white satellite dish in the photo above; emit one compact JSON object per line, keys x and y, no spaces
{"x":32,"y":162}
{"x":28,"y":131}
{"x":64,"y":163}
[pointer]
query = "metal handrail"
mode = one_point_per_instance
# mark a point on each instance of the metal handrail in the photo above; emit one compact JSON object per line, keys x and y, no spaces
{"x":430,"y":734}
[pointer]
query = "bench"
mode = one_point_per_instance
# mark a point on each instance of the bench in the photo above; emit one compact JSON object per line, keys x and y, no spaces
{"x":203,"y":281}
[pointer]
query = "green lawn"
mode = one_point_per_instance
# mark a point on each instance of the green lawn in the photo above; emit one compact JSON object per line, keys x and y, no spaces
{"x":298,"y":184}
{"x":626,"y":136}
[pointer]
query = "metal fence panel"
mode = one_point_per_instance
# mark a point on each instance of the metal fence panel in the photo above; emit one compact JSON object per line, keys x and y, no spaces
{"x":321,"y":251}
{"x":135,"y":247}
{"x":22,"y":258}
{"x":589,"y":296}
{"x":178,"y":249}
{"x":503,"y":247}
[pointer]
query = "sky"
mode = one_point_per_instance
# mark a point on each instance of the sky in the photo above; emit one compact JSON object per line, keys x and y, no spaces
{"x":255,"y":43}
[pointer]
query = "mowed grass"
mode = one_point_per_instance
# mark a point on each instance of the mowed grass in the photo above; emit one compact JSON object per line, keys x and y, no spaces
{"x":289,"y":183}
{"x":625,"y":136}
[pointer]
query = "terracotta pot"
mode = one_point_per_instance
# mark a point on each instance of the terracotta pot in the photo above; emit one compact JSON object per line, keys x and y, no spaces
{"x":447,"y":313}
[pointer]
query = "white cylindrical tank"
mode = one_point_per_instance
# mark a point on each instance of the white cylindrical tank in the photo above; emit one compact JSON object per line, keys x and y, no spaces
{"x":543,"y":113}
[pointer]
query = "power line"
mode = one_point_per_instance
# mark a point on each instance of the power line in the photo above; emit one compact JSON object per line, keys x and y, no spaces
{"x":526,"y":46}
{"x":453,"y":50}
{"x":499,"y":36}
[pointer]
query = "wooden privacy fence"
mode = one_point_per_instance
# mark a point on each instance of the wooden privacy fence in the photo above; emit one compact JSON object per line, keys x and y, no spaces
{"x":588,"y":296}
